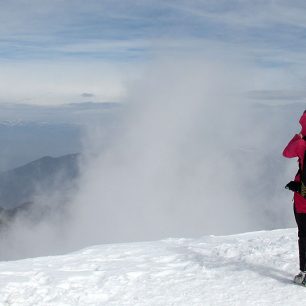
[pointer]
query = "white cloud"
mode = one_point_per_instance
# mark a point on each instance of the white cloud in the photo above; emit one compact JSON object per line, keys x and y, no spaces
{"x":58,"y":82}
{"x":110,"y":46}
{"x":192,"y":153}
{"x":243,"y":13}
{"x":58,"y":49}
{"x":190,"y":159}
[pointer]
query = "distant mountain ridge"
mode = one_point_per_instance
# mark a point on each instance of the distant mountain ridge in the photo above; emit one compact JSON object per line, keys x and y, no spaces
{"x":48,"y":174}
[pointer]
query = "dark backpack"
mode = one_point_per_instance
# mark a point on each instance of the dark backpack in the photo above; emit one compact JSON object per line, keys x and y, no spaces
{"x":299,"y":187}
{"x":303,"y":177}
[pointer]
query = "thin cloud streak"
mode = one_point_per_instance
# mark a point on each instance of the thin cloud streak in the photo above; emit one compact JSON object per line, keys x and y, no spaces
{"x":58,"y":27}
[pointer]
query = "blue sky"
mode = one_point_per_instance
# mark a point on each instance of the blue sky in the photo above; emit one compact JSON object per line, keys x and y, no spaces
{"x":41,"y":39}
{"x":122,"y":30}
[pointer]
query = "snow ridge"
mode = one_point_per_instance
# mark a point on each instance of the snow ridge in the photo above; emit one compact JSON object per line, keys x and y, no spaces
{"x":247,"y":269}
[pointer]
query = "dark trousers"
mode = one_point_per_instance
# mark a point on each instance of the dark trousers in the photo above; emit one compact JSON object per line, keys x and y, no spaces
{"x":301,"y":223}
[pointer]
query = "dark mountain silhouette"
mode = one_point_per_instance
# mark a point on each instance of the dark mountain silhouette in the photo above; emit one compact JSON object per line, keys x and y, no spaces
{"x":20,"y":187}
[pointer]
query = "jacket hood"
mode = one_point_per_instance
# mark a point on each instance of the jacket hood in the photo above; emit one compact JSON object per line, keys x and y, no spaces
{"x":303,"y":123}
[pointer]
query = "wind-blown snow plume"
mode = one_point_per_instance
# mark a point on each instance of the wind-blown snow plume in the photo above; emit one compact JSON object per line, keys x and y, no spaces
{"x":192,"y":160}
{"x":193,"y":155}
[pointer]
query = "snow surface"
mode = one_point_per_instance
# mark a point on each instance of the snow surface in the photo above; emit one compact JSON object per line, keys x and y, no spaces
{"x":247,"y":269}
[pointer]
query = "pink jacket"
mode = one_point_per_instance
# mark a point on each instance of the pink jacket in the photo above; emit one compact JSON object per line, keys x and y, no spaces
{"x":296,"y":148}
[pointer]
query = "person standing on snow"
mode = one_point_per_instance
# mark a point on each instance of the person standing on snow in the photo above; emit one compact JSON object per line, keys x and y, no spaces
{"x":296,"y":148}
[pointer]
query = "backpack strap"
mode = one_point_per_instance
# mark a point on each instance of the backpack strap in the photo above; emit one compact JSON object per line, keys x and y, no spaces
{"x":300,"y":165}
{"x":303,"y":176}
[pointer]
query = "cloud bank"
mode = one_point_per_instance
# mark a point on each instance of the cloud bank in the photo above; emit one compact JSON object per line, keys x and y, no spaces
{"x":193,"y":155}
{"x":53,"y":51}
{"x":196,"y":157}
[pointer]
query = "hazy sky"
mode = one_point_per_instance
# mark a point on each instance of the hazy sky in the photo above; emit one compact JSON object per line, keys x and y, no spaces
{"x":213,"y":91}
{"x":54,"y":51}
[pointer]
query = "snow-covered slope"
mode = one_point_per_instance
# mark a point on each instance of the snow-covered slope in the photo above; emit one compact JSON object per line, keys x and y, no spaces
{"x":248,"y":269}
